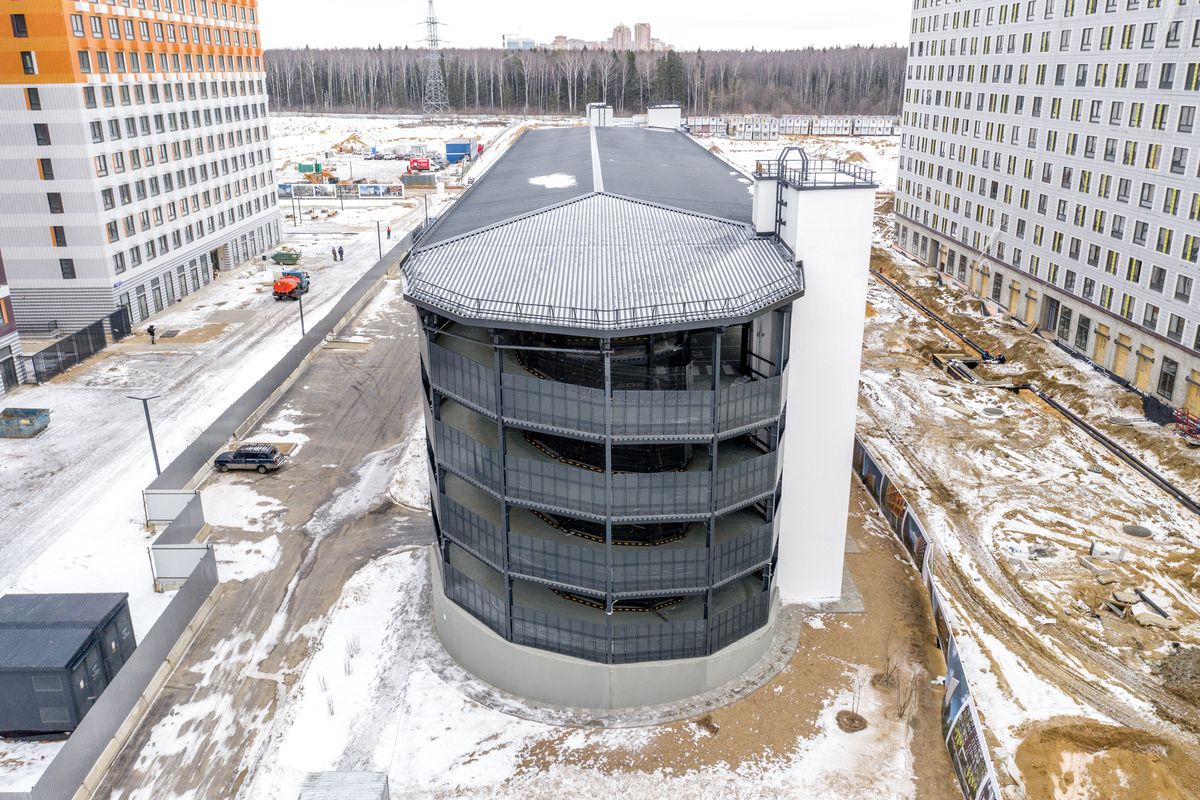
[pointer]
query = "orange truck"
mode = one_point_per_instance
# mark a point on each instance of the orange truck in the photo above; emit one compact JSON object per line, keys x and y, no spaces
{"x":290,"y":285}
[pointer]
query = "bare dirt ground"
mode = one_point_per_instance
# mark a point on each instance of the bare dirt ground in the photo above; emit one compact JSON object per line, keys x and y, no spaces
{"x":1015,"y":495}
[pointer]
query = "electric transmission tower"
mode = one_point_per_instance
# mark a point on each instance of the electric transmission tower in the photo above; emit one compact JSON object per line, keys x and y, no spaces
{"x":437,"y":99}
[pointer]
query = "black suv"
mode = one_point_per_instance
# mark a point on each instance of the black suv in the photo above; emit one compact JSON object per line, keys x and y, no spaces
{"x":262,"y":457}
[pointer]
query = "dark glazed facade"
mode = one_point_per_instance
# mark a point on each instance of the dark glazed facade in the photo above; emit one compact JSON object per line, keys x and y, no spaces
{"x":608,"y":495}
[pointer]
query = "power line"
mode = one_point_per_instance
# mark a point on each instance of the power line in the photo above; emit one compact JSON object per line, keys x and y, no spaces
{"x":437,"y":100}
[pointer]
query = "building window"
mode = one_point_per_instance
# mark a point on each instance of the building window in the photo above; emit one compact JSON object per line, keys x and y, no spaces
{"x":54,"y":200}
{"x":28,"y":62}
{"x":59,"y":235}
{"x":1150,"y":317}
{"x":1083,"y":331}
{"x":1183,"y":288}
{"x":46,"y":168}
{"x":67,"y":267}
{"x":1175,"y":328}
{"x":33,"y":99}
{"x":85,"y":61}
{"x":1166,"y":378}
{"x":77,"y":24}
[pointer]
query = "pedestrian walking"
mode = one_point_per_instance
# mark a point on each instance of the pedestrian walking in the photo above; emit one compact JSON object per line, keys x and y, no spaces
{"x":153,"y":331}
{"x":389,"y":232}
{"x":335,"y":254}
{"x":341,"y":254}
{"x":216,"y":272}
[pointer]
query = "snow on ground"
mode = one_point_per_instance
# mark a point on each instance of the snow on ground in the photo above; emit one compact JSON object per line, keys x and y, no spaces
{"x":239,"y":561}
{"x":878,"y":153}
{"x":410,"y":481}
{"x":22,"y":763}
{"x":369,"y":699}
{"x":235,"y":504}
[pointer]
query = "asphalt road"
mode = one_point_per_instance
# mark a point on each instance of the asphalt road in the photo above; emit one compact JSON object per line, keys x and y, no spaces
{"x":205,"y":729}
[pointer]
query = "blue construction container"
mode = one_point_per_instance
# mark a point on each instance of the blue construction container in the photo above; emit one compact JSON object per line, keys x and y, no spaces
{"x":458,"y":149}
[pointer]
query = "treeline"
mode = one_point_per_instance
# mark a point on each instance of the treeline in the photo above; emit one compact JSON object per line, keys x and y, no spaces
{"x":850,"y":80}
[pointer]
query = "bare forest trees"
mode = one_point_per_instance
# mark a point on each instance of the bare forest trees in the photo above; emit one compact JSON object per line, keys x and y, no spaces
{"x":852,"y":80}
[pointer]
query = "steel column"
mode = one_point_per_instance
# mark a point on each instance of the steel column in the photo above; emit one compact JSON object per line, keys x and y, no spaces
{"x":608,"y":493}
{"x":711,"y":533}
{"x":503,"y":447}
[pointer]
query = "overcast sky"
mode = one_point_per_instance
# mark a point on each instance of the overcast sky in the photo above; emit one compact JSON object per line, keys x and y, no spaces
{"x":772,"y":25}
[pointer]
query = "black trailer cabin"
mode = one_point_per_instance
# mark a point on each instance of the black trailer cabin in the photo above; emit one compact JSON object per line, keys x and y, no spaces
{"x":49,"y":678}
{"x":107,"y":614}
{"x":58,"y":652}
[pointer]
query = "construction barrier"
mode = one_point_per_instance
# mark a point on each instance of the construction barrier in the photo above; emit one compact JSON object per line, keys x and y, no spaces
{"x":961,"y":729}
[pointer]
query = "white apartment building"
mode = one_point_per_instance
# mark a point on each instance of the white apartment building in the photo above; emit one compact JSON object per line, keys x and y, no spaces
{"x":1050,"y":163}
{"x":137,"y":153}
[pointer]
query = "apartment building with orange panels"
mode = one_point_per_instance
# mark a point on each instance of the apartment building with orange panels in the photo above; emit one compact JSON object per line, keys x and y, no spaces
{"x":136,"y":154}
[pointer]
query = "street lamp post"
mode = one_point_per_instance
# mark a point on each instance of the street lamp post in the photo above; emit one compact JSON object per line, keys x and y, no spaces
{"x":427,"y":211}
{"x":149,"y":427}
{"x":379,"y":238}
{"x":303,"y":332}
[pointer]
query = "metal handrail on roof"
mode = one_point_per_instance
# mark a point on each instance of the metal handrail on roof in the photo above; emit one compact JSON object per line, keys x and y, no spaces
{"x":779,"y":290}
{"x":826,"y":173}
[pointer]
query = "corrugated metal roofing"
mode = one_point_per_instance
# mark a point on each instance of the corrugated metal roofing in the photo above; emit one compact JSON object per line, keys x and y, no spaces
{"x":41,"y":648}
{"x":344,"y":786}
{"x":603,"y":262}
{"x":58,"y":609}
{"x":552,"y":165}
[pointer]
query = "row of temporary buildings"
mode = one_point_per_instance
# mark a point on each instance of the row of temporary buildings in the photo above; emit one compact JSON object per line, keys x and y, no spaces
{"x":762,"y":127}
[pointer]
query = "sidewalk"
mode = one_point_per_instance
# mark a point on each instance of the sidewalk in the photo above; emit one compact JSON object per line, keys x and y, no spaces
{"x":71,"y":514}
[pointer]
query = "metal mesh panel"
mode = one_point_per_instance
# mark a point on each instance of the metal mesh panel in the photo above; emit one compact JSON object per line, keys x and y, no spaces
{"x":473,"y":532}
{"x":644,"y":569}
{"x":750,"y":549}
{"x":458,"y":375}
{"x":557,"y":634}
{"x":483,"y":605}
{"x":548,"y":403}
{"x":733,"y":623}
{"x":466,"y":457}
{"x":644,"y":413}
{"x":555,"y":486}
{"x":660,"y":494}
{"x":745,"y":481}
{"x":748,"y":403}
{"x":563,"y":562}
{"x":69,"y":351}
{"x":658,"y":641}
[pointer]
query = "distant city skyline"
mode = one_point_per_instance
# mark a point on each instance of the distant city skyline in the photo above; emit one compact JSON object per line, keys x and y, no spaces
{"x":638,"y":39}
{"x":775,"y":25}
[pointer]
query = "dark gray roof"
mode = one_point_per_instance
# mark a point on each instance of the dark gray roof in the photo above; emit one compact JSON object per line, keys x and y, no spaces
{"x":663,"y":167}
{"x":41,"y":648}
{"x":58,"y":609}
{"x":606,"y":263}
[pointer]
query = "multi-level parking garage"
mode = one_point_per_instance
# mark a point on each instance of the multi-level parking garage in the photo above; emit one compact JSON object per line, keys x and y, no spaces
{"x":605,"y":384}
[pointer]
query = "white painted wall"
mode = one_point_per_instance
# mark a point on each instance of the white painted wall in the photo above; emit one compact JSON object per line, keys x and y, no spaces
{"x":830,"y":232}
{"x":664,"y":117}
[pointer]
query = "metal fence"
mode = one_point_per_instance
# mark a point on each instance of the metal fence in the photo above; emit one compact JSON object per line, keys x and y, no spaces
{"x":65,"y":775}
{"x":963,"y":732}
{"x":544,"y":404}
{"x":622,"y":643}
{"x":83,"y":343}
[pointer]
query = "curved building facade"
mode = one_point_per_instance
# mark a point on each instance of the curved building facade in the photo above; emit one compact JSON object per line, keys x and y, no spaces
{"x":606,"y":394}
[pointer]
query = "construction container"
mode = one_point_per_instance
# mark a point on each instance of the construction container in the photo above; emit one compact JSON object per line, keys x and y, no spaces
{"x":107,"y":615}
{"x":600,"y":115}
{"x":344,"y":786}
{"x":23,"y":423}
{"x":458,"y":149}
{"x":664,"y":116}
{"x":305,"y":169}
{"x":49,"y":678}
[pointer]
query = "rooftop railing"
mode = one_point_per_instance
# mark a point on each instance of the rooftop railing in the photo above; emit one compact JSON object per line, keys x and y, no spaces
{"x":817,"y":173}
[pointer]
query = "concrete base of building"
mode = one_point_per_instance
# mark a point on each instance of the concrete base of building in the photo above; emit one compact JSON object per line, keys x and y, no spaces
{"x":559,"y":680}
